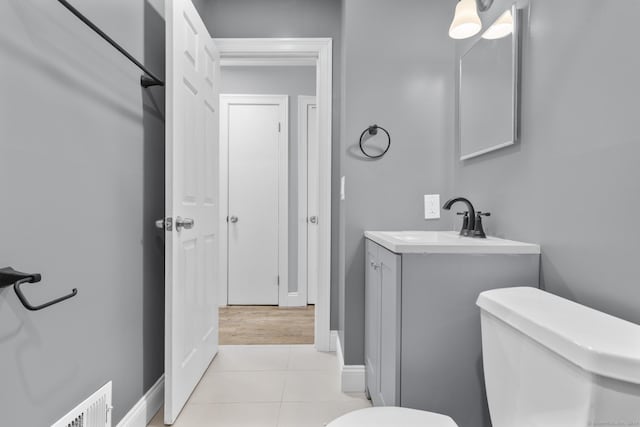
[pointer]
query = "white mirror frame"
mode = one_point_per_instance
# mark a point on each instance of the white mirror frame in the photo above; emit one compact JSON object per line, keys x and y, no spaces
{"x":515,"y":73}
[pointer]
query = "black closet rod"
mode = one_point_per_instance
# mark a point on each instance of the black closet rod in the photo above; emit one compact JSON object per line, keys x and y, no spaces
{"x":146,"y":80}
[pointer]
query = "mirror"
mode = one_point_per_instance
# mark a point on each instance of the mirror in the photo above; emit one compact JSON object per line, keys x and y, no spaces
{"x":488,"y":89}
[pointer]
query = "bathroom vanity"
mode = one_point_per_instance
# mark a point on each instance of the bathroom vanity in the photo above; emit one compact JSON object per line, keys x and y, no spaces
{"x":422,"y":326}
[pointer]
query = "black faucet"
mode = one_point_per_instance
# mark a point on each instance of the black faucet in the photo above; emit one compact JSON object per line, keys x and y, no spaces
{"x":478,"y":231}
{"x":472,"y":222}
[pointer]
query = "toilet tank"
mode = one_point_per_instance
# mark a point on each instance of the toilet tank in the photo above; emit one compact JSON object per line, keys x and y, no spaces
{"x":549,"y":362}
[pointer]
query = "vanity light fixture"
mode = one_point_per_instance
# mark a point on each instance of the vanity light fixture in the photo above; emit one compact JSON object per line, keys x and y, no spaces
{"x":501,"y":28}
{"x":466,"y":22}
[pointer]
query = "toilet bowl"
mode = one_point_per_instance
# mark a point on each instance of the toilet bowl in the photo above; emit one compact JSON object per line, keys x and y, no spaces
{"x":581,"y":367}
{"x":387,"y":416}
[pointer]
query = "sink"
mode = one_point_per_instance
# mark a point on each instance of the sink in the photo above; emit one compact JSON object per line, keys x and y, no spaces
{"x":421,"y":236}
{"x":447,"y":242}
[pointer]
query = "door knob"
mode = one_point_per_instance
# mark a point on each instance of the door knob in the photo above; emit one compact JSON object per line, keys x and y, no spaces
{"x":233,"y":219}
{"x":186,"y":223}
{"x":313,"y":219}
{"x":164,"y":224}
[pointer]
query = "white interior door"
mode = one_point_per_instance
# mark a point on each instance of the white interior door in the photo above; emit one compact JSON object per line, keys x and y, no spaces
{"x":257,"y":197}
{"x":309,"y":196}
{"x":192,"y":90}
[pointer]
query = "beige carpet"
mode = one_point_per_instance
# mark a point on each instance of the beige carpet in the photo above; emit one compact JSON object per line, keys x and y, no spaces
{"x":266,"y":325}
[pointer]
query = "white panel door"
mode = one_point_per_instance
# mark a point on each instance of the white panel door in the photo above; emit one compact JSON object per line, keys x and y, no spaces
{"x":308,"y":190}
{"x":191,"y":329}
{"x":313,"y":182}
{"x":255,"y":218}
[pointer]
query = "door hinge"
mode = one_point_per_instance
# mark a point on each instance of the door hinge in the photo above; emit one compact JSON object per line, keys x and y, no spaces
{"x":165,"y":224}
{"x":279,"y":127}
{"x":278,"y":280}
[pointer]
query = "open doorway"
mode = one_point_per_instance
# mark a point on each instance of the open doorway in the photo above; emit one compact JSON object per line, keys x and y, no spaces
{"x":194,"y":195}
{"x":275,"y":239}
{"x":266,"y":204}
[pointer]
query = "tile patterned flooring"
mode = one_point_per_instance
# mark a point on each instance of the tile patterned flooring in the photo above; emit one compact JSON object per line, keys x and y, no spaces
{"x":268,"y":386}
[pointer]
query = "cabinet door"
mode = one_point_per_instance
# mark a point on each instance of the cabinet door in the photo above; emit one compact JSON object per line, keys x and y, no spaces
{"x":389,"y":356}
{"x":372,"y":320}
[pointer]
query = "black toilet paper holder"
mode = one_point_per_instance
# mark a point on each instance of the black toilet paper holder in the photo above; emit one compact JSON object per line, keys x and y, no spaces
{"x":11,"y":277}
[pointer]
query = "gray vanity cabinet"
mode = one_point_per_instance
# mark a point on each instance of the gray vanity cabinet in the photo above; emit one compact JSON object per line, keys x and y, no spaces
{"x":382,"y":329}
{"x":423,"y":345}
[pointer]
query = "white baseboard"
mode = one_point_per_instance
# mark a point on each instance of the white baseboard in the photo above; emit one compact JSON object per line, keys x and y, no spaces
{"x":352,"y":377}
{"x":333,"y":339}
{"x":144,"y":410}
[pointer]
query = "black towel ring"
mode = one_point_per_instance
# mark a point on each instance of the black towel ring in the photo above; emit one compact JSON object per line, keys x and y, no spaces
{"x":373,"y":130}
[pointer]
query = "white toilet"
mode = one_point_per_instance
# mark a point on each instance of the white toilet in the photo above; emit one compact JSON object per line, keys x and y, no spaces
{"x":547,"y":362}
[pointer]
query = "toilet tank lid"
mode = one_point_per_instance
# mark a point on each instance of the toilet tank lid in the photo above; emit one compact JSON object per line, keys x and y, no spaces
{"x":595,"y":341}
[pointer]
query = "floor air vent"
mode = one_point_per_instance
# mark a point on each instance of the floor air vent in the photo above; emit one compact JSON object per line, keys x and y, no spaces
{"x":95,"y":411}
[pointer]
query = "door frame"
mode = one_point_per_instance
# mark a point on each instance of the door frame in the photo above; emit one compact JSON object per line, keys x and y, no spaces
{"x":283,"y":188}
{"x":304,"y":101}
{"x":318,"y":51}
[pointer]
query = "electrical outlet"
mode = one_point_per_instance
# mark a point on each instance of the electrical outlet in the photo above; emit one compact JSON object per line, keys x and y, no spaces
{"x":431,"y":206}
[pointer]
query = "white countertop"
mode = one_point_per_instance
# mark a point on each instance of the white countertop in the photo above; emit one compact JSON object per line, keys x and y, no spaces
{"x":447,"y":242}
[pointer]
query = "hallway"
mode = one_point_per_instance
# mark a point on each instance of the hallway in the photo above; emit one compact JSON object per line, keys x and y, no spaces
{"x":242,"y":324}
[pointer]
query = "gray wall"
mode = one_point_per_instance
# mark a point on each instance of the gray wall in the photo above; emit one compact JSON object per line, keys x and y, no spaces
{"x":272,"y":80}
{"x":81,"y":181}
{"x":290,"y":18}
{"x":399,"y":73}
{"x":572,"y":184}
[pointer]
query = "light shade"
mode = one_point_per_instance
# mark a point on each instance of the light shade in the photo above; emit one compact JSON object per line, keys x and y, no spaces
{"x":501,"y":28}
{"x":466,"y":22}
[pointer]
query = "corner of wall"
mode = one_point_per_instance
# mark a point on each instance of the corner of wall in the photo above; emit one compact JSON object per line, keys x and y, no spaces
{"x":145,"y":409}
{"x":352,"y":377}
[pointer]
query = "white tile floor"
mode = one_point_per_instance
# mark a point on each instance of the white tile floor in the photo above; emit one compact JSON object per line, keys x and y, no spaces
{"x":268,"y":386}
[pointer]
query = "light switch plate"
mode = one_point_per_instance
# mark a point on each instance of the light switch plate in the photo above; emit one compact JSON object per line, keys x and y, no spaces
{"x":342,"y":188}
{"x":431,"y":206}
